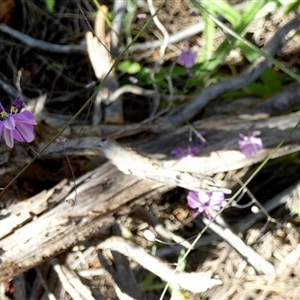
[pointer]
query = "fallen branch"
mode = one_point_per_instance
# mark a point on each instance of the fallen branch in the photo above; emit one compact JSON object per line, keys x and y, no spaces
{"x":101,"y":194}
{"x":71,"y":282}
{"x":106,"y":191}
{"x":260,"y":265}
{"x":130,"y":162}
{"x":41,"y":45}
{"x":119,"y":269}
{"x":220,"y":155}
{"x":194,"y":282}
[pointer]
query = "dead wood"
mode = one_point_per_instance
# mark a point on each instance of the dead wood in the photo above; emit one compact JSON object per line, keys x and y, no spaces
{"x":103,"y":193}
{"x":196,"y":281}
{"x":42,"y":45}
{"x":221,"y":154}
{"x":124,"y":282}
{"x":71,"y":282}
{"x":45,"y":225}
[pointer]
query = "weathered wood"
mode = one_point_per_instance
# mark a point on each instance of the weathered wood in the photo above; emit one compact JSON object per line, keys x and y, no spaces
{"x":42,"y":227}
{"x":221,"y":154}
{"x":105,"y":192}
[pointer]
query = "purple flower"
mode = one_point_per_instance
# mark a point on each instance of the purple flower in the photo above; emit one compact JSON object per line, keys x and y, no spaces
{"x":141,"y":16}
{"x":250,"y":145}
{"x":153,"y":127}
{"x":132,"y":79}
{"x":187,"y":57}
{"x":200,"y":141}
{"x":16,"y":125}
{"x":90,"y":84}
{"x":16,"y":105}
{"x":61,"y":139}
{"x":193,"y":14}
{"x":193,"y":148}
{"x":205,"y":202}
{"x":189,"y":151}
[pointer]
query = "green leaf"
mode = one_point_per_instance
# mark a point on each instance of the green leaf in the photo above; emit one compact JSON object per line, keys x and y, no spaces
{"x":234,"y":95}
{"x":50,"y":5}
{"x":291,"y":6}
{"x":224,"y":9}
{"x":148,"y":284}
{"x":247,"y":52}
{"x":251,"y":10}
{"x":257,"y":89}
{"x":296,"y":210}
{"x":271,"y":81}
{"x":239,"y":26}
{"x":129,"y":67}
{"x":209,"y":35}
{"x":181,"y":263}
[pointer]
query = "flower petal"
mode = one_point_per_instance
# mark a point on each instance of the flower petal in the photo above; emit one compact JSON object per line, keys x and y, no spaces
{"x":203,"y":197}
{"x":193,"y":199}
{"x":179,"y":152}
{"x":24,"y":132}
{"x":9,"y":123}
{"x":132,"y":79}
{"x":250,"y":145}
{"x":1,"y":128}
{"x":187,"y":57}
{"x":8,"y":137}
{"x":194,"y":150}
{"x":61,"y":139}
{"x":25,"y":116}
{"x":216,"y":200}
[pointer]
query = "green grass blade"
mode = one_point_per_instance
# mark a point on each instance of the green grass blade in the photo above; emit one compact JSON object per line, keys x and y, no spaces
{"x":208,"y":34}
{"x":229,"y":43}
{"x":254,"y":48}
{"x":251,"y":10}
{"x":50,"y":5}
{"x":224,"y":9}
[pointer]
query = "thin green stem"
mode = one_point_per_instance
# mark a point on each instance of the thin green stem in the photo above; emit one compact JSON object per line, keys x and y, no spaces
{"x":70,"y":201}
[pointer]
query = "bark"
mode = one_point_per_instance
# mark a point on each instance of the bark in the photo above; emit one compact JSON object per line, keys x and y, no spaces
{"x":43,"y":226}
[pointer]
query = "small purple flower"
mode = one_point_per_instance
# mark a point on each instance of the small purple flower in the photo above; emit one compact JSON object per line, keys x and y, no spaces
{"x":205,"y":202}
{"x":187,"y":57}
{"x":133,"y":79}
{"x":200,"y":141}
{"x":90,"y":84}
{"x":16,"y":125}
{"x":250,"y":145}
{"x":153,"y":127}
{"x":141,"y":16}
{"x":193,"y":148}
{"x":193,"y":14}
{"x":189,"y":151}
{"x":61,"y":139}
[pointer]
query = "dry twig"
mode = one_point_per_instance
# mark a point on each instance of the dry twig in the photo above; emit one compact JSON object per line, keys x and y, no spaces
{"x":41,"y":45}
{"x":195,"y":282}
{"x":71,"y":282}
{"x":252,"y":257}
